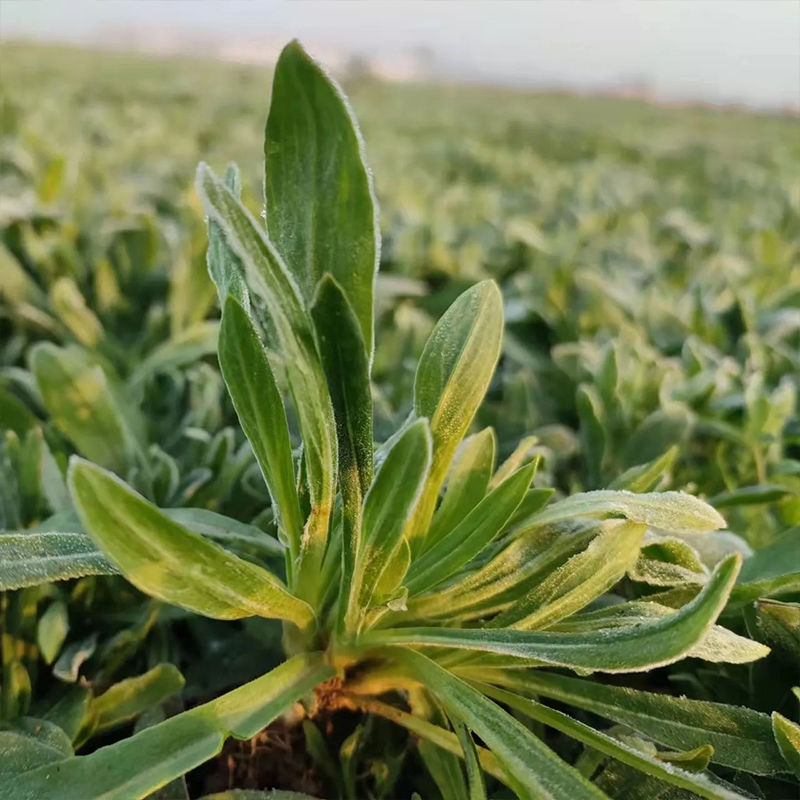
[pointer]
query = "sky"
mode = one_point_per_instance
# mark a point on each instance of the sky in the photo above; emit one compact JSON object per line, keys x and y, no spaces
{"x":745,"y":51}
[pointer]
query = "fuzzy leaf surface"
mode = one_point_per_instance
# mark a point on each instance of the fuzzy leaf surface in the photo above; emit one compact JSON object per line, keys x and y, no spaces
{"x":170,"y":562}
{"x":322,"y":214}
{"x":142,"y":763}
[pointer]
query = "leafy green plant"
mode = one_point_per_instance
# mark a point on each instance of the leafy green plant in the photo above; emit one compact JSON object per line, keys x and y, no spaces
{"x":421,"y":582}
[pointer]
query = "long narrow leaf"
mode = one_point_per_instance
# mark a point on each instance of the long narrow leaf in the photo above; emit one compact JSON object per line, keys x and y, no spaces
{"x":260,"y":410}
{"x":170,"y":562}
{"x":741,"y":737}
{"x":668,"y":511}
{"x":578,"y":581}
{"x":466,"y":484}
{"x":346,"y":365}
{"x":627,"y":649}
{"x":472,"y":534}
{"x":534,"y":770}
{"x":31,"y":558}
{"x":700,"y":784}
{"x":453,"y":374}
{"x":388,"y":505}
{"x":140,"y":764}
{"x":268,"y":276}
{"x":322,"y":214}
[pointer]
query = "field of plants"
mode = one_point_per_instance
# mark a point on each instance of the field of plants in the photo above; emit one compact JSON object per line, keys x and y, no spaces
{"x":520,"y":517}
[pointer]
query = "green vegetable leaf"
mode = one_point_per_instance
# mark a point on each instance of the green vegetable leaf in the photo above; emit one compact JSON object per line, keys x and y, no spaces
{"x":667,"y":511}
{"x":453,"y":374}
{"x":127,"y":699}
{"x":701,"y":785}
{"x":260,"y":410}
{"x":387,"y":507}
{"x":534,"y":771}
{"x":31,"y":558}
{"x":475,"y":783}
{"x":322,"y":214}
{"x":645,"y":477}
{"x":142,"y":763}
{"x":269,"y":277}
{"x":578,"y":581}
{"x":472,"y":534}
{"x":170,"y":562}
{"x":346,"y":365}
{"x":787,"y":735}
{"x":184,"y":348}
{"x":626,"y":649}
{"x":224,"y":266}
{"x":78,"y":395}
{"x":772,"y":571}
{"x":51,"y":630}
{"x":28,"y":743}
{"x":347,"y":369}
{"x":467,"y":482}
{"x":740,"y":737}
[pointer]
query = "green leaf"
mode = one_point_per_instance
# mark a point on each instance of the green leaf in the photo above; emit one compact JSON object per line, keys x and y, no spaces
{"x":442,"y":738}
{"x":534,"y":771}
{"x":322,"y":214}
{"x":444,"y":766}
{"x":51,"y":630}
{"x":15,"y":415}
{"x":472,"y":534}
{"x":668,"y":561}
{"x":778,"y":625}
{"x":230,"y":533}
{"x":445,"y":769}
{"x":268,"y":276}
{"x":529,"y":556}
{"x":170,"y":562}
{"x":740,"y":737}
{"x":73,"y":657}
{"x":70,"y":307}
{"x":31,"y":558}
{"x":59,"y":548}
{"x":475,"y":783}
{"x":718,"y":643}
{"x":751,"y":495}
{"x":467,"y":482}
{"x":79,"y":397}
{"x":523,"y":453}
{"x":346,"y":365}
{"x":127,"y":699}
{"x":577,"y":582}
{"x":628,"y":649}
{"x":388,"y":505}
{"x":70,"y":710}
{"x":151,"y":758}
{"x":27,"y":743}
{"x":347,"y":368}
{"x":787,"y":736}
{"x":667,"y":511}
{"x":593,"y":437}
{"x":771,"y":571}
{"x":701,"y":785}
{"x":187,"y":347}
{"x":453,"y":374}
{"x":645,"y":477}
{"x":224,"y":266}
{"x":260,"y":410}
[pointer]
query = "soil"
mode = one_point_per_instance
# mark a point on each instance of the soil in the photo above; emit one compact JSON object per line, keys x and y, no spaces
{"x":276,"y":757}
{"x":273,"y":758}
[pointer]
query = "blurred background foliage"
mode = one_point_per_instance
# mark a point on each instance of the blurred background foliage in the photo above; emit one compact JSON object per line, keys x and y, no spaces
{"x":649,"y":258}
